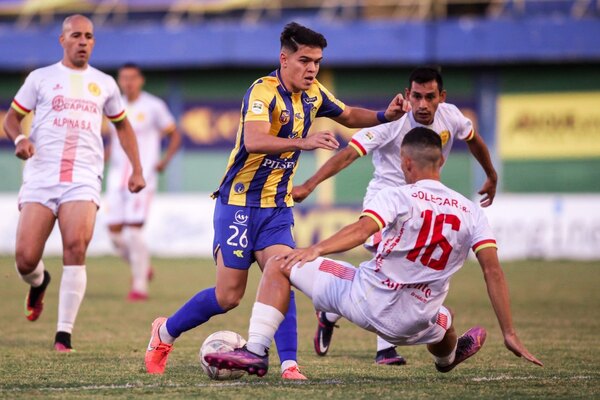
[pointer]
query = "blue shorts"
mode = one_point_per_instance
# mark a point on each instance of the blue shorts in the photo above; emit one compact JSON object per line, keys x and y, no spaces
{"x":240,"y":231}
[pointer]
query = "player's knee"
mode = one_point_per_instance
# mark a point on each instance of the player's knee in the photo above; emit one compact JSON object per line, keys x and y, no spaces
{"x":26,"y":261}
{"x":273,"y":267}
{"x":75,"y":249}
{"x":229,"y":299}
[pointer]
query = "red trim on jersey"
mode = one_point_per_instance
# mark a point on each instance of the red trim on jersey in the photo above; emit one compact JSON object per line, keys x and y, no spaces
{"x":27,"y":110}
{"x":442,"y":320}
{"x":483,"y":243}
{"x":338,"y":270}
{"x":360,"y":146}
{"x":117,"y":117}
{"x":377,"y":216}
{"x":67,"y":161}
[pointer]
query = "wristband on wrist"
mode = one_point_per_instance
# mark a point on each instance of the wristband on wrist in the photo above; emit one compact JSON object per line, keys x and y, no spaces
{"x":381,"y":117}
{"x":19,"y":138}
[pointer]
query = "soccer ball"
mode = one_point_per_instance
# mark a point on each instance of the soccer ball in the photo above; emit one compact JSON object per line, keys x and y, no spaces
{"x":220,"y":342}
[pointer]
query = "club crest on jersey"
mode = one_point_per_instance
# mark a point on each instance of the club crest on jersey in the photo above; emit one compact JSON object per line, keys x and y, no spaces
{"x":444,"y":135}
{"x":284,"y":117}
{"x":239,"y":188}
{"x":94,"y":89}
{"x":309,"y":100}
{"x":258,"y":107}
{"x":240,"y":218}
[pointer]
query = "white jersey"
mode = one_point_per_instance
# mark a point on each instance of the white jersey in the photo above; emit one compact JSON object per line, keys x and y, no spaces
{"x":384,"y":141}
{"x":68,"y":107}
{"x":427,"y":231}
{"x":149,"y":118}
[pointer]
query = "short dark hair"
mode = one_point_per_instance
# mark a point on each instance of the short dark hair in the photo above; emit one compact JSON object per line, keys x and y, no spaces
{"x":422,"y":137}
{"x":294,"y":35}
{"x":424,"y":75}
{"x":131,"y":65}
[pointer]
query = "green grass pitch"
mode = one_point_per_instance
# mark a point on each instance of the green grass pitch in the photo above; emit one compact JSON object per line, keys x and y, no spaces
{"x":555,"y":307}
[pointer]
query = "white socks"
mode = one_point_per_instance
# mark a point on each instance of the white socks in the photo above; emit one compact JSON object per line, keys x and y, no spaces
{"x":139,"y":258}
{"x":72,"y":290}
{"x":333,"y":318}
{"x":120,"y":244}
{"x":449,"y":359}
{"x":263,"y":324}
{"x":164,"y":334}
{"x":382,"y":344}
{"x":36,"y":277}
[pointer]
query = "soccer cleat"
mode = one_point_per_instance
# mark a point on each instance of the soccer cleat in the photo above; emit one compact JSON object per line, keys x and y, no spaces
{"x":157,"y":352}
{"x":468,"y":344}
{"x":134,"y":296}
{"x":34,"y":302}
{"x":294,"y":374}
{"x":241,"y":359}
{"x":62,"y":342}
{"x":389,"y":356}
{"x":323,"y":334}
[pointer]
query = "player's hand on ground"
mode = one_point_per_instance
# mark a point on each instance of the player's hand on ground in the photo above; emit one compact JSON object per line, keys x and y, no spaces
{"x":298,"y":256}
{"x":321,"y":140}
{"x":25,"y":149}
{"x":161,"y":166}
{"x":299,"y":193}
{"x":513,"y":343}
{"x":136,"y":182}
{"x":397,"y":108}
{"x":489,"y":191}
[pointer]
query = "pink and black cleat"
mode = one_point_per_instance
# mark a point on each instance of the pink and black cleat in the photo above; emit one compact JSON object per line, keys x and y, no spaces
{"x":323,"y":334}
{"x":468,"y":344}
{"x":389,"y":356}
{"x":241,"y":359}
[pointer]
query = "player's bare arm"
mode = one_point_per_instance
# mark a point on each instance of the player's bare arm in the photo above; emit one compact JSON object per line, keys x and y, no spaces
{"x":499,"y":297}
{"x":129,"y":144}
{"x":172,"y":148}
{"x":480,"y":151}
{"x":24,"y":149}
{"x":356,"y":117}
{"x":347,"y":238}
{"x":334,"y":165}
{"x":257,"y":140}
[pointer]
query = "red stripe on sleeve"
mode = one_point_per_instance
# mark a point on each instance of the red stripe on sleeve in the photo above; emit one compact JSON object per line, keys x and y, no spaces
{"x":360,"y":146}
{"x":373,"y":213}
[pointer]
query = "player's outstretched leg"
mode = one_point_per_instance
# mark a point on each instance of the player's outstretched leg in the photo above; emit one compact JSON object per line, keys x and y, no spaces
{"x":467,"y":345}
{"x":241,"y":359}
{"x":286,"y":339}
{"x":387,"y":354}
{"x":324,"y":333}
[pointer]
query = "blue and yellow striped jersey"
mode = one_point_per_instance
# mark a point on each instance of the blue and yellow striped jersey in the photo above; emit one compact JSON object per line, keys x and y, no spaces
{"x":265,"y":180}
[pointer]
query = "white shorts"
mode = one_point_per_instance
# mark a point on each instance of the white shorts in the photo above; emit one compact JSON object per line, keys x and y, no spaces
{"x":53,"y":196}
{"x":124,"y":207}
{"x":328,"y":283}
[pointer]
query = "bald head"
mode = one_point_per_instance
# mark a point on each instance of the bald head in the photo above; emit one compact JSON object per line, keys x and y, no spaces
{"x":77,"y":41}
{"x":421,"y":153}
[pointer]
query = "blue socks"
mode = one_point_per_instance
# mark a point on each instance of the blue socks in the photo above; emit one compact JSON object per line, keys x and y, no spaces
{"x":196,"y":311}
{"x":286,"y":337}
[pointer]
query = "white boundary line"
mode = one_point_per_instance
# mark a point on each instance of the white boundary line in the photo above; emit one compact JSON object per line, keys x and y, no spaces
{"x":529,"y":378}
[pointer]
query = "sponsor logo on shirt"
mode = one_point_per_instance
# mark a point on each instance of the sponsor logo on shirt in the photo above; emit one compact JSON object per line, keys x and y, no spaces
{"x":370,"y":135}
{"x":58,"y":86}
{"x":94,"y":89}
{"x":294,"y":135}
{"x":421,"y":292}
{"x":298,"y":116}
{"x":72,"y":124}
{"x":444,"y":135}
{"x":278,"y":164}
{"x":309,"y":100}
{"x":258,"y":107}
{"x":284,"y":117}
{"x":238,"y":253}
{"x":140,"y":117}
{"x":61,"y":103}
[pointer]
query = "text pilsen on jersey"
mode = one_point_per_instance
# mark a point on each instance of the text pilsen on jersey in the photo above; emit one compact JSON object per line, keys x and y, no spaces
{"x":61,"y":103}
{"x":440,"y":201}
{"x":278,"y":164}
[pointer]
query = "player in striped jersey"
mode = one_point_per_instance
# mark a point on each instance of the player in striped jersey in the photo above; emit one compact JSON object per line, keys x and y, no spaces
{"x":427,"y":97}
{"x":63,"y":171}
{"x":428,"y":230}
{"x":253,"y":218}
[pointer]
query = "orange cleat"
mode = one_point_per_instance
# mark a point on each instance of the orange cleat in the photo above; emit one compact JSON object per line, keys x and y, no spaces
{"x":293,"y":373}
{"x":157,"y":352}
{"x":34,"y":302}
